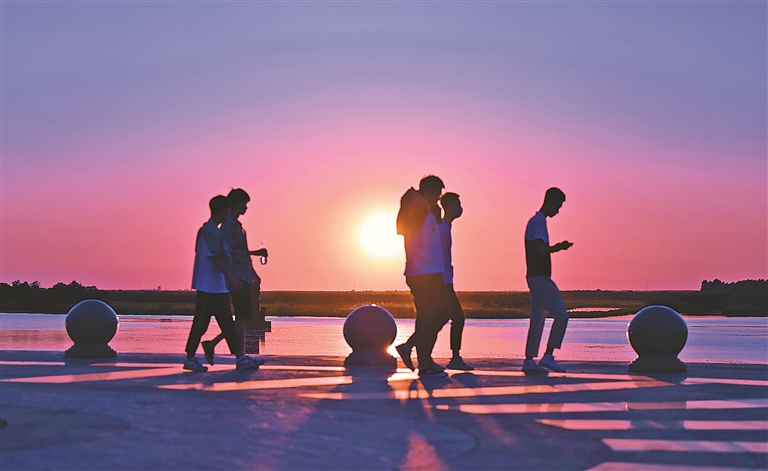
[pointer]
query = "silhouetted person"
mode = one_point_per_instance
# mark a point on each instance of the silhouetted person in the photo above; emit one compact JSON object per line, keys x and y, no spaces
{"x":242,"y":268}
{"x":544,"y":293}
{"x":451,"y":210}
{"x":212,"y":278}
{"x":418,"y":221}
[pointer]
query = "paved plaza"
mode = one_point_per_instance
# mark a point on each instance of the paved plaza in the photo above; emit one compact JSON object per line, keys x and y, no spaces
{"x":142,"y":411}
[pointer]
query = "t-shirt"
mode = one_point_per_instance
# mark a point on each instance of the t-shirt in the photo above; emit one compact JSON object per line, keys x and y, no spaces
{"x":206,"y":277}
{"x":446,"y":242}
{"x":237,"y":244}
{"x":423,"y":251}
{"x":537,"y":264}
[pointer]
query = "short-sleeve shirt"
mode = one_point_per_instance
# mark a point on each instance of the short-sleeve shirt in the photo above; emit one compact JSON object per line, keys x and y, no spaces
{"x":237,"y":243}
{"x":537,"y":264}
{"x":423,"y":251}
{"x":206,"y":277}
{"x":446,"y":242}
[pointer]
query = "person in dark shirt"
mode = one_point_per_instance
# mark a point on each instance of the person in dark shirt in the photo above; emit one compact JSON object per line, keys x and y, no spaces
{"x":544,"y":293}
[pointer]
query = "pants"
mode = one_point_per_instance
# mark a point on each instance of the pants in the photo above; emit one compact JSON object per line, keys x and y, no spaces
{"x":241,"y":301}
{"x":545,"y":297}
{"x":456,"y":314}
{"x":217,"y":305}
{"x":431,"y":313}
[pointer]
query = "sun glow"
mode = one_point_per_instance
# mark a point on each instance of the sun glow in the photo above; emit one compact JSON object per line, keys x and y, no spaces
{"x":378,"y":235}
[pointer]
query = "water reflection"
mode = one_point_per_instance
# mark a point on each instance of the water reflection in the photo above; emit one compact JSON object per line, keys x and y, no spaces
{"x":536,"y":408}
{"x":737,"y":340}
{"x":588,"y":424}
{"x":632,"y":444}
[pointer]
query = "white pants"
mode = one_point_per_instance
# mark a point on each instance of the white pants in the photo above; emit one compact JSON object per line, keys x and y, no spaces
{"x":545,"y":297}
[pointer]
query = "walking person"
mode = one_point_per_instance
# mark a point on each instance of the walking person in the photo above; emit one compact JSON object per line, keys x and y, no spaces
{"x":237,"y":244}
{"x":212,"y":278}
{"x":418,"y":222}
{"x":451,"y":211}
{"x":544,"y":293}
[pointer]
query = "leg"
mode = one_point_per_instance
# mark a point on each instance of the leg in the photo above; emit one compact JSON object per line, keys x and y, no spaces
{"x":217,"y":339}
{"x":199,"y":323}
{"x":241,"y":301}
{"x":431,"y":314}
{"x":227,"y":325}
{"x":538,"y":316}
{"x":456,"y":314}
{"x":553,"y":303}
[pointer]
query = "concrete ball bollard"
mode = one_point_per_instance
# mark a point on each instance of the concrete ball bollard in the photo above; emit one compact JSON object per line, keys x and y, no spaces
{"x":657,"y":334}
{"x":91,"y":324}
{"x":370,"y":330}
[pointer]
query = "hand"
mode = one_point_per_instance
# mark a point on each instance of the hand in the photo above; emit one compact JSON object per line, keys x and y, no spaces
{"x":260,"y":253}
{"x":235,"y":284}
{"x":564,"y":245}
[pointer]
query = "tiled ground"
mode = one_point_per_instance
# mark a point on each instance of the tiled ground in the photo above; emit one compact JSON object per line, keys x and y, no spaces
{"x":143,"y":411}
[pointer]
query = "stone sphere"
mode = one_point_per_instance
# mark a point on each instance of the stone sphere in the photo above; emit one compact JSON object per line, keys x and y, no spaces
{"x":370,"y":328}
{"x":657,"y":330}
{"x":91,"y":321}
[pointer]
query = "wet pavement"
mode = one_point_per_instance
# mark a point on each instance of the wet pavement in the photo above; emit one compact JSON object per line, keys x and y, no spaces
{"x":142,"y":411}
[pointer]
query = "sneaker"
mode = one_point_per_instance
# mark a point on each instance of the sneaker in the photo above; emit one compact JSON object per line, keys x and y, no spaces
{"x":432,"y":372}
{"x":548,"y":361}
{"x":531,"y":367}
{"x":437,"y":367}
{"x":457,"y":363}
{"x":208,"y":349}
{"x":248,"y":363}
{"x":405,"y":353}
{"x":193,"y":364}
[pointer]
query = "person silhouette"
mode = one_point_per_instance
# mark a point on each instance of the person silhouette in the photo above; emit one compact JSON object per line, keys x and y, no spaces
{"x":242,"y":268}
{"x":418,"y":223}
{"x":544,"y":293}
{"x":212,"y":278}
{"x":452,"y":210}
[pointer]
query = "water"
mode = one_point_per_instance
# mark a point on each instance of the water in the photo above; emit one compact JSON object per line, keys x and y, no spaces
{"x":710,"y":339}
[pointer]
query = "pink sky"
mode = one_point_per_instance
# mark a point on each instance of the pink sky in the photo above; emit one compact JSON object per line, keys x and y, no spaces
{"x":328,"y":113}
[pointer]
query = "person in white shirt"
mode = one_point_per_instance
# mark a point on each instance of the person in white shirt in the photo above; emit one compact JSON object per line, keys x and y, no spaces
{"x":451,"y":211}
{"x":544,"y":293}
{"x":212,"y":278}
{"x":417,"y":221}
{"x":237,"y":245}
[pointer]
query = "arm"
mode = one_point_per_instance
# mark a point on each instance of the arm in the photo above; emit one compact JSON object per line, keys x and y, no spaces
{"x":260,"y":252}
{"x":221,"y":264}
{"x":543,"y":248}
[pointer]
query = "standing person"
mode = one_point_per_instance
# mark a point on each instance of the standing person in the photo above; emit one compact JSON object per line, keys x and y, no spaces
{"x":544,"y":292}
{"x":417,"y":221}
{"x":242,"y":268}
{"x":210,"y":277}
{"x":451,"y":211}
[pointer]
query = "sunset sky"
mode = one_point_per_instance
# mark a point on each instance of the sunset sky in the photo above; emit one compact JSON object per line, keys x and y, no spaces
{"x":120,"y":120}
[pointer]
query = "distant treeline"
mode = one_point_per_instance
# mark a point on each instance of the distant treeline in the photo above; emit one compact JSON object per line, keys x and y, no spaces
{"x":743,"y":298}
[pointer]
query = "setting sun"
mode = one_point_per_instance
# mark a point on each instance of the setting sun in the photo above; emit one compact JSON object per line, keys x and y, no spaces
{"x":379,"y":237}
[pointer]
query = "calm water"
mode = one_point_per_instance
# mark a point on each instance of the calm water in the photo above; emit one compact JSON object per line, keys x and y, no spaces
{"x":736,"y":340}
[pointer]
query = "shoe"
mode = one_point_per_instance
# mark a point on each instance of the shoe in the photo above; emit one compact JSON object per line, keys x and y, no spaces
{"x":432,"y":372}
{"x":405,"y":353}
{"x":457,"y":363}
{"x":531,"y":367}
{"x":208,"y":349}
{"x":193,"y":364}
{"x":437,"y":367}
{"x":248,"y":363}
{"x":548,"y":361}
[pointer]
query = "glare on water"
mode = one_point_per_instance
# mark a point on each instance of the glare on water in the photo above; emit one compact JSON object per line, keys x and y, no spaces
{"x":737,"y":340}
